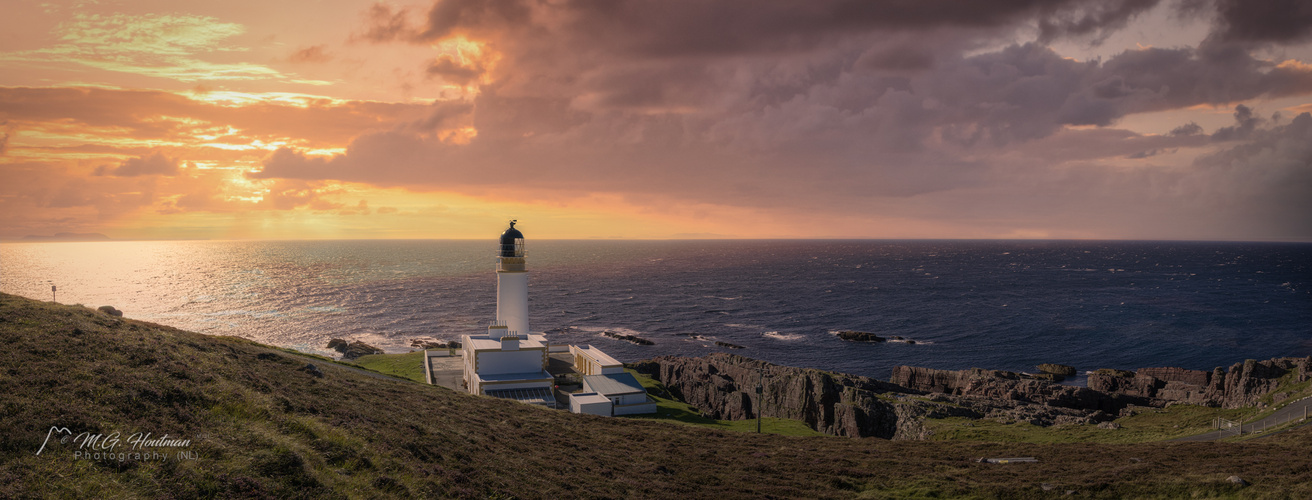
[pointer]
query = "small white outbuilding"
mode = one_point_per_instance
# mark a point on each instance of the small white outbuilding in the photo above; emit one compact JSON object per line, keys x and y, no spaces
{"x":590,"y":403}
{"x":626,"y":394}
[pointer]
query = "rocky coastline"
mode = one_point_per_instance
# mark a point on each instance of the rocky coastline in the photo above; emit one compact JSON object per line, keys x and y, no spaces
{"x":723,"y":386}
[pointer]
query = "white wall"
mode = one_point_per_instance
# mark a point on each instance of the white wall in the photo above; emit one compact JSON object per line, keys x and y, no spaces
{"x":522,"y":361}
{"x":512,"y":301}
{"x":636,"y":409}
{"x":633,"y":399}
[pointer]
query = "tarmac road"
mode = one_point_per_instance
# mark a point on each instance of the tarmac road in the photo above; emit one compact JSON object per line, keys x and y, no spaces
{"x":1294,"y":412}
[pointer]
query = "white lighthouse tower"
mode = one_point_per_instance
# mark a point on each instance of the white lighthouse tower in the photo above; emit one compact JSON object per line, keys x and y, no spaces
{"x":512,"y":283}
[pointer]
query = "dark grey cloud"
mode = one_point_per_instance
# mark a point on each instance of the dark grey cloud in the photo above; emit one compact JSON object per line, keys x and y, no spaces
{"x":1150,"y":153}
{"x":815,"y":105}
{"x":678,"y":28}
{"x":1187,"y":129}
{"x":449,"y":69}
{"x":1090,"y":19}
{"x":1278,"y":21}
{"x":1271,"y":172}
{"x":1245,"y":124}
{"x":441,"y":115}
{"x":384,"y":24}
{"x":1213,"y":73}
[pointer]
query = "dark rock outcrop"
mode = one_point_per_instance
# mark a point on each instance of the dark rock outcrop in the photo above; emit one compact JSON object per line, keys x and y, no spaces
{"x":430,"y":344}
{"x":1056,"y":369}
{"x":853,"y":336}
{"x":1009,"y":386}
{"x":352,"y":350}
{"x":312,"y":370}
{"x":723,"y":386}
{"x":1244,"y":384}
{"x":631,"y":338}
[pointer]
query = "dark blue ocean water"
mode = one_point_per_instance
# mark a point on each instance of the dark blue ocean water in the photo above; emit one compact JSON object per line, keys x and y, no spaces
{"x":996,"y":304}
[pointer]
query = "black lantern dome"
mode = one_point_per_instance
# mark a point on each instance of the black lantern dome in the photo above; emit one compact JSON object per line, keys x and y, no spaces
{"x":512,"y":242}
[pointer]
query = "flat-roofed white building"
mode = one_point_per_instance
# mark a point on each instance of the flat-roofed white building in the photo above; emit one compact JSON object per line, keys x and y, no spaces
{"x":590,"y":403}
{"x":626,"y":394}
{"x":589,"y":360}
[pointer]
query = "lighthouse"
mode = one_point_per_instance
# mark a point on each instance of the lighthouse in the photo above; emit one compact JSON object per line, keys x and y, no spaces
{"x":509,"y":362}
{"x":512,"y":283}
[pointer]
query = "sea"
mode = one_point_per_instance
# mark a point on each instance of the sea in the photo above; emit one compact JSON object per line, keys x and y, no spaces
{"x":1006,"y":305}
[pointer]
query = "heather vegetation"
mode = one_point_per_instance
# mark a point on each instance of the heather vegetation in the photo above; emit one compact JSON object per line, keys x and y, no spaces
{"x":262,"y":425}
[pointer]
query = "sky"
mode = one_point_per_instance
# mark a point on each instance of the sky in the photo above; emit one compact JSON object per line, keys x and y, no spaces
{"x":329,"y":119}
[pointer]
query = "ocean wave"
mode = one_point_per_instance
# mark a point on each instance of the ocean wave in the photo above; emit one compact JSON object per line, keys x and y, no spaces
{"x":788,"y":337}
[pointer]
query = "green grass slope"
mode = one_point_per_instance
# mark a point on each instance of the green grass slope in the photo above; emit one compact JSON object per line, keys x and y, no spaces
{"x":408,"y":365}
{"x":260,"y":427}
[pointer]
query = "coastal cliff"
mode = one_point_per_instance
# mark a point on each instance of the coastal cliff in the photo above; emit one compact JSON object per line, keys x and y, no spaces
{"x":1009,"y":386}
{"x":1243,"y":384}
{"x":723,"y":386}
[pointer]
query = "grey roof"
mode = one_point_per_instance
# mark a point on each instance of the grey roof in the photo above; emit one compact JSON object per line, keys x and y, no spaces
{"x":615,"y":383}
{"x":536,"y":395}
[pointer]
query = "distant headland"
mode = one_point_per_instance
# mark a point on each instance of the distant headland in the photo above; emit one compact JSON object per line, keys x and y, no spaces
{"x":65,"y":237}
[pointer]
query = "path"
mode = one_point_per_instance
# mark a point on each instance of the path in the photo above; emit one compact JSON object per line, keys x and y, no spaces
{"x":1292,"y":412}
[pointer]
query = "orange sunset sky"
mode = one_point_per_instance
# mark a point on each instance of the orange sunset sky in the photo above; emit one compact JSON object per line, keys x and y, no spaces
{"x":1118,"y":119}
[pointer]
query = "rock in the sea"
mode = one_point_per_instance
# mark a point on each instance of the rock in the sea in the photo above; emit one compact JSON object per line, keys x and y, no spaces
{"x":854,"y":336}
{"x":726,"y":344}
{"x":631,"y":338}
{"x":427,"y":344}
{"x":110,"y":310}
{"x":1056,"y":369}
{"x":352,"y":350}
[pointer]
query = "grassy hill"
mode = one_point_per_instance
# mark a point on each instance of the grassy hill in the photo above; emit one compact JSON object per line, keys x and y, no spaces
{"x":261,"y":426}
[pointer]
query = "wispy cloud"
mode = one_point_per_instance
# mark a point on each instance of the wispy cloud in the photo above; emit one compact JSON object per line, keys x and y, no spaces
{"x":172,"y":46}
